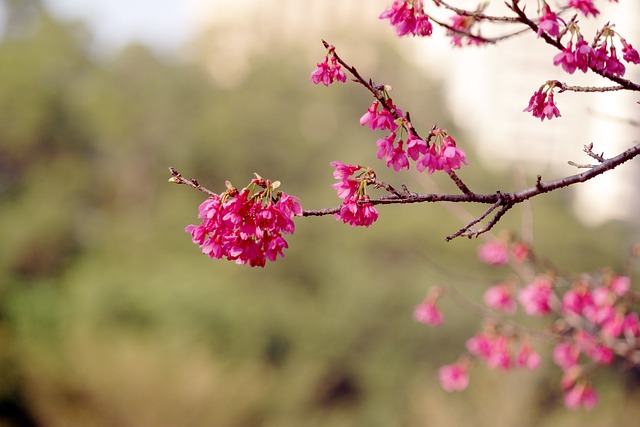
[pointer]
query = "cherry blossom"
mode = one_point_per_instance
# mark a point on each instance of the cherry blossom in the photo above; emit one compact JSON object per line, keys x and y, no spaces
{"x":454,"y":377}
{"x":326,"y":73}
{"x":408,"y":17}
{"x":494,"y":252}
{"x":499,"y":297}
{"x":548,"y":22}
{"x":246,"y":226}
{"x":536,"y":297}
{"x":428,"y":312}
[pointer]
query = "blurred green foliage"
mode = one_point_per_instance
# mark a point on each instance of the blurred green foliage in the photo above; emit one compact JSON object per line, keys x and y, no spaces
{"x":109,"y":316}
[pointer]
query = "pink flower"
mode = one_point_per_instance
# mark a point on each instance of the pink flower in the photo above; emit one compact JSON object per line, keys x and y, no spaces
{"x":567,"y":59}
{"x":454,"y":377}
{"x":428,"y":161}
{"x":550,"y":110}
{"x":500,"y":356}
{"x":245,"y":226}
{"x":613,"y":327}
{"x":582,"y":54}
{"x":336,"y":71}
{"x":537,"y":104}
{"x":631,"y":325}
{"x":415,"y":147}
{"x":385,"y":120}
{"x":577,"y":299}
{"x":480,"y":345}
{"x":536,"y":297}
{"x":584,"y":6}
{"x":386,"y":147}
{"x":452,"y":157}
{"x":548,"y":23}
{"x":599,"y":57}
{"x":368,"y":118}
{"x":408,"y":18}
{"x":527,"y":357}
{"x":613,"y":66}
{"x":566,"y":355}
{"x":629,"y":54}
{"x":326,"y":73}
{"x":493,"y":253}
{"x":581,"y":395}
{"x":499,"y":297}
{"x":398,"y":159}
{"x":356,"y":213}
{"x":428,"y":313}
{"x":520,"y":251}
{"x":620,"y":285}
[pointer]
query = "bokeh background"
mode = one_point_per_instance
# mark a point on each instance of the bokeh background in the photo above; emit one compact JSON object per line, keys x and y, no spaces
{"x":110,"y":316}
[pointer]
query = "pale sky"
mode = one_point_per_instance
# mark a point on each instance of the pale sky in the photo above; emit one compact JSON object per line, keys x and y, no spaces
{"x":163,"y":24}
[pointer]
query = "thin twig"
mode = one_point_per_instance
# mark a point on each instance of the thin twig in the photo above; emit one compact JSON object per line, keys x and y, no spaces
{"x":177,"y":178}
{"x":505,"y":200}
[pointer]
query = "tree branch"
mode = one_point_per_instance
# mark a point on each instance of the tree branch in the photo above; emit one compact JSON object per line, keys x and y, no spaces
{"x":501,"y":200}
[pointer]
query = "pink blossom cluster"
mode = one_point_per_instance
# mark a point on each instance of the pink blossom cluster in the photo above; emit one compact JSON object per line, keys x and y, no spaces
{"x":496,"y":351}
{"x":397,"y":150}
{"x":354,"y":210}
{"x":593,"y":321}
{"x":328,"y":71}
{"x":542,"y":104}
{"x":246,"y":226}
{"x":604,"y":58}
{"x":572,"y":59}
{"x":408,"y":17}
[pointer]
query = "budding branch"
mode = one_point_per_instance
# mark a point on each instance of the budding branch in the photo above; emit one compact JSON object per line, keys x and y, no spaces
{"x":502,"y":201}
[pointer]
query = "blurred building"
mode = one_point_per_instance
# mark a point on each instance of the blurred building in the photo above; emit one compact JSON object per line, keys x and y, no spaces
{"x":487,"y":87}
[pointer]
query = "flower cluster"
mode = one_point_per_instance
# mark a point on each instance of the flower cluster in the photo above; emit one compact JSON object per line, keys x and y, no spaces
{"x":602,"y":58}
{"x":408,"y":17}
{"x":397,"y":149}
{"x":355,"y":210}
{"x":246,"y":226}
{"x":542,"y":104}
{"x":328,"y":71}
{"x":592,"y":322}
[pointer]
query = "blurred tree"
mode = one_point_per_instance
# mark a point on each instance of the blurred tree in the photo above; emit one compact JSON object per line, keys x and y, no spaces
{"x":108,"y":316}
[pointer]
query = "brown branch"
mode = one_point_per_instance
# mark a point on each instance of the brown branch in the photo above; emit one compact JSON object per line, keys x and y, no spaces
{"x":378,"y":94}
{"x":478,"y":15}
{"x":565,"y":87}
{"x":626,"y":84}
{"x":504,"y":200}
{"x":177,"y":178}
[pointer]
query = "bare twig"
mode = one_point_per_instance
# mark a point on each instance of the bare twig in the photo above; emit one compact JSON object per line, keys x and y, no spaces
{"x":177,"y":178}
